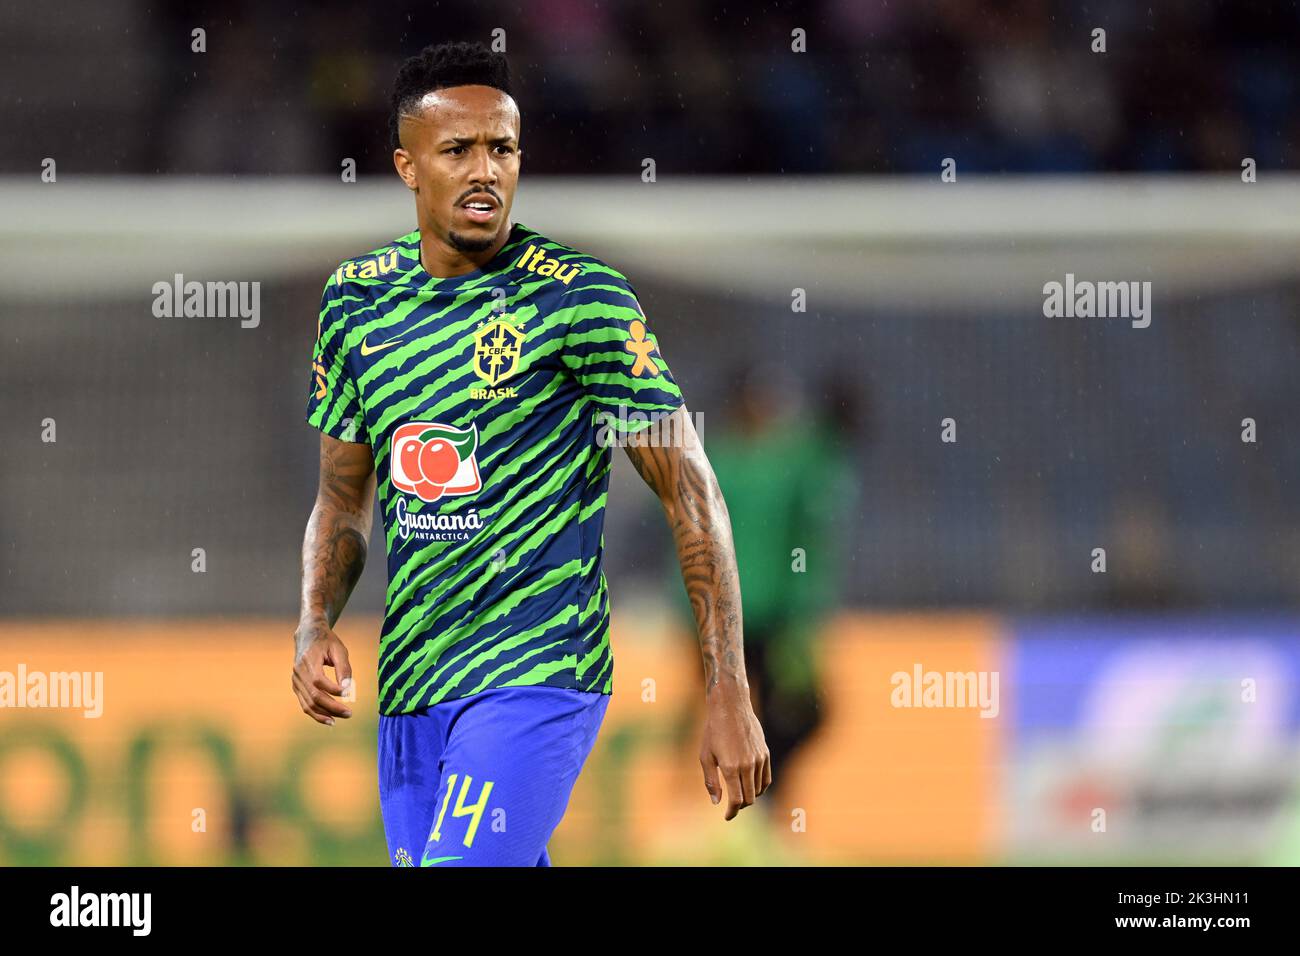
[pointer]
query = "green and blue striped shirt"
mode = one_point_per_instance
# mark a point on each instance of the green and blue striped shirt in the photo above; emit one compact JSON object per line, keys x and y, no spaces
{"x":483,"y":398}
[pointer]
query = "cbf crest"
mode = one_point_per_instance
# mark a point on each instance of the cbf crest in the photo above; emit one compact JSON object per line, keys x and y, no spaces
{"x":497,"y":347}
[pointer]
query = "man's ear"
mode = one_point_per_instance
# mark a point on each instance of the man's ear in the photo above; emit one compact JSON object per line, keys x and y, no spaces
{"x":405,"y":167}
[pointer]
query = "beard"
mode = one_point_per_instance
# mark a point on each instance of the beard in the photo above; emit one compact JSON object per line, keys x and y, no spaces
{"x":466,"y":244}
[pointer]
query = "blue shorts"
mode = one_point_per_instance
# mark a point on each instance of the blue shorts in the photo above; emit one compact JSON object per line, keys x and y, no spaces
{"x":483,"y":780}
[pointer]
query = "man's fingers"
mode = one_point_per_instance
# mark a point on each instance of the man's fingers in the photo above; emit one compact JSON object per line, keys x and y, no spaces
{"x":760,"y":769}
{"x":324,"y":703}
{"x":767,"y":771}
{"x":319,"y":718}
{"x":323,"y":682}
{"x":339,"y":658}
{"x":711,"y":777}
{"x":318,"y":703}
{"x":749,"y":783}
{"x":305,"y":704}
{"x":735,"y":796}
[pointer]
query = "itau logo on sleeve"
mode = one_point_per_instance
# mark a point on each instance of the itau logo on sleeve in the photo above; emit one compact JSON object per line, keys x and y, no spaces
{"x":431,"y":460}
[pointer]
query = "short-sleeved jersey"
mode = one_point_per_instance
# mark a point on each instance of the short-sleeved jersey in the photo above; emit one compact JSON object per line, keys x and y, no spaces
{"x":491,"y":402}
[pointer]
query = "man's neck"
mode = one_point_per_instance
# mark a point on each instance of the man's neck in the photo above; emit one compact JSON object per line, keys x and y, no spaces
{"x":444,"y":262}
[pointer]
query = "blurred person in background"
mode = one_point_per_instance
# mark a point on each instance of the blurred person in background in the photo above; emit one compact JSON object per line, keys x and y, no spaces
{"x":789,"y":480}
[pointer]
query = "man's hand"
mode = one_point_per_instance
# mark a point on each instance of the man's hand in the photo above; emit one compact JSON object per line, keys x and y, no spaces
{"x":675,"y":467}
{"x":316,"y":646}
{"x":734,"y":744}
{"x":333,"y":556}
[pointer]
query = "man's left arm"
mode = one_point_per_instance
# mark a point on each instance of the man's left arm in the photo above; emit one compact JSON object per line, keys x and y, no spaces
{"x":677,"y":470}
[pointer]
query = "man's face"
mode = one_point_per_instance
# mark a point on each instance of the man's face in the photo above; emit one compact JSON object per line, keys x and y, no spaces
{"x":460,"y":148}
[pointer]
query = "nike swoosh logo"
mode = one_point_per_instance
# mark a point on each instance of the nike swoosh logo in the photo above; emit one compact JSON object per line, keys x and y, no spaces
{"x":439,"y":859}
{"x":372,"y":349}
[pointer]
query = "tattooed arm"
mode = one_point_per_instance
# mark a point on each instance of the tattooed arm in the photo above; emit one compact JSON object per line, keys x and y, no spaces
{"x":680,"y":475}
{"x":333,"y":555}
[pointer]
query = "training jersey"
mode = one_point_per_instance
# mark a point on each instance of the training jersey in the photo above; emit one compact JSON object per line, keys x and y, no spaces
{"x":491,"y":402}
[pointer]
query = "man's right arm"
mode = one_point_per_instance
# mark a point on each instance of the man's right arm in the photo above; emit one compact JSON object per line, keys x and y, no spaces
{"x":333,"y":556}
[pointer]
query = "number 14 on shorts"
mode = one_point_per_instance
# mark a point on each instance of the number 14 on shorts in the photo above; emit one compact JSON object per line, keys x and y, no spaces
{"x":474,"y":811}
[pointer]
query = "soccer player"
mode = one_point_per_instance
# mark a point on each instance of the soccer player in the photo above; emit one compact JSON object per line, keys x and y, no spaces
{"x":475,"y":373}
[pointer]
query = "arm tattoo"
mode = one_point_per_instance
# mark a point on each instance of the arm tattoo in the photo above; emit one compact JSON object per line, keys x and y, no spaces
{"x":680,"y":474}
{"x":334,"y":547}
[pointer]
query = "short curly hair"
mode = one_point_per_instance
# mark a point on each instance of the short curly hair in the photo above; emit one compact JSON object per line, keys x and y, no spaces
{"x":455,"y":63}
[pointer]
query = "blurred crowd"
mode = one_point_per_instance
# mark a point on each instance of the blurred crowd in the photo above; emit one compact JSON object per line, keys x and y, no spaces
{"x":703,"y":87}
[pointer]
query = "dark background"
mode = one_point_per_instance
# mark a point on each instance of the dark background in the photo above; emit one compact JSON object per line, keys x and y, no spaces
{"x":706,"y":87}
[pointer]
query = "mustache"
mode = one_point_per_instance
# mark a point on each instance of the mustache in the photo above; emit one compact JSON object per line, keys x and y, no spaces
{"x":487,"y":191}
